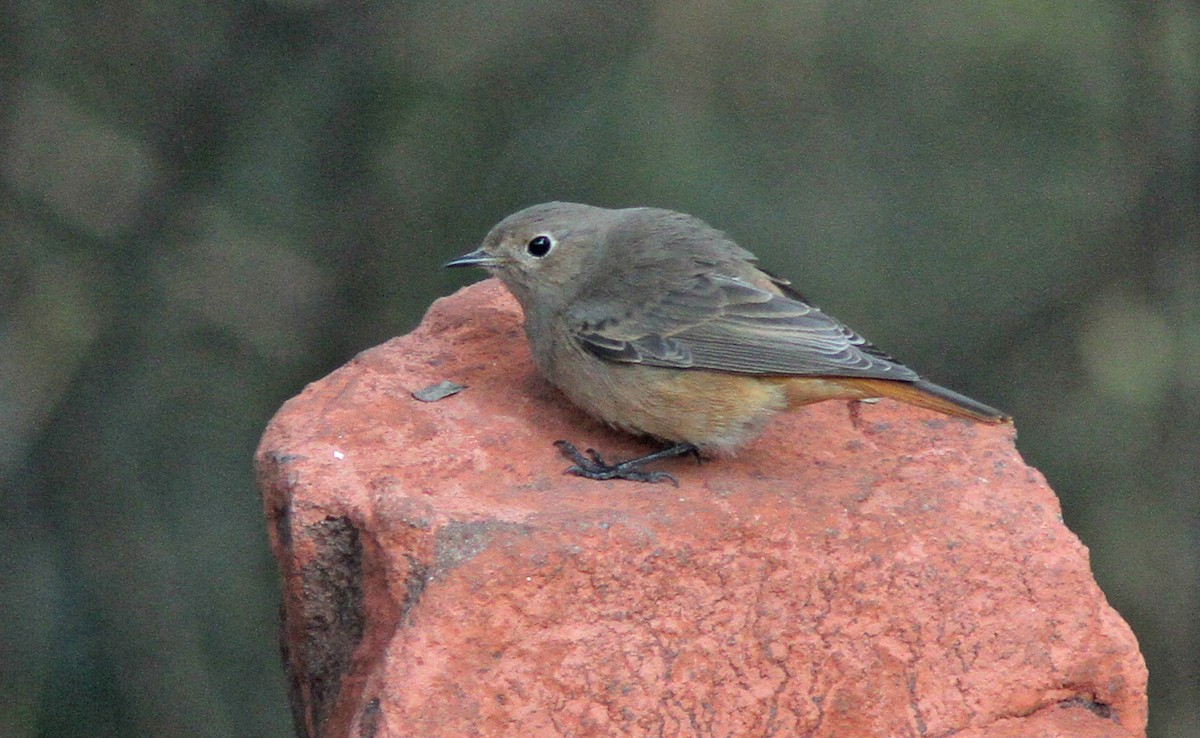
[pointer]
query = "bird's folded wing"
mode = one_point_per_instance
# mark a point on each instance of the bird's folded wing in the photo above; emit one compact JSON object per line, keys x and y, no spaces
{"x":726,"y":324}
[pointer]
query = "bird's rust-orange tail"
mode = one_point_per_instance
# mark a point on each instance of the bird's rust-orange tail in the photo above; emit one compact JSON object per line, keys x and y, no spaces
{"x":927,"y":395}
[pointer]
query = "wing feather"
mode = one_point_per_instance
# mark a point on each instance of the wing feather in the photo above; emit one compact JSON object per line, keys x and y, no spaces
{"x":725,"y":323}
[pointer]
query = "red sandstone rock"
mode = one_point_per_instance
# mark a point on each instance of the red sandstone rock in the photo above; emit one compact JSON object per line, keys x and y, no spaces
{"x":908,"y":575}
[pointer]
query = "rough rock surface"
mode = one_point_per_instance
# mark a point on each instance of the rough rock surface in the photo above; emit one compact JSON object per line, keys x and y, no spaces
{"x":902,"y":575}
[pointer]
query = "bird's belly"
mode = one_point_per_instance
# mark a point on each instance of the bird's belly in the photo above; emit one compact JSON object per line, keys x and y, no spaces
{"x":713,"y":410}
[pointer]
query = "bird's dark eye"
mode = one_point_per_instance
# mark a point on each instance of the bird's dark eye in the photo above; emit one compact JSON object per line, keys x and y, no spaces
{"x":540,"y":245}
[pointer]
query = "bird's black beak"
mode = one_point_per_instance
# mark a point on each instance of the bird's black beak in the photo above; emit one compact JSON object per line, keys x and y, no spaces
{"x":477,"y":258}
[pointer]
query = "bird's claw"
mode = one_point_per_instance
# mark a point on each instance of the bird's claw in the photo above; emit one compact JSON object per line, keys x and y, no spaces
{"x":596,"y":468}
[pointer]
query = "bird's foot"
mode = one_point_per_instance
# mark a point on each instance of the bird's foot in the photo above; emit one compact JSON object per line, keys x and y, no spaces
{"x":593,"y":466}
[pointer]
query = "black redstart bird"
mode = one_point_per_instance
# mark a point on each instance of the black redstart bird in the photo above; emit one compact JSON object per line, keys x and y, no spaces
{"x":660,"y":325}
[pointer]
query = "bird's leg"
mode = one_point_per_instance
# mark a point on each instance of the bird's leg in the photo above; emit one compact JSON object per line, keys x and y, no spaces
{"x":855,"y":408}
{"x":593,"y":465}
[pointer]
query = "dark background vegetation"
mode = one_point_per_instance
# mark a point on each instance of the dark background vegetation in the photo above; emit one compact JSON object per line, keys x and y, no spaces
{"x":203,"y":206}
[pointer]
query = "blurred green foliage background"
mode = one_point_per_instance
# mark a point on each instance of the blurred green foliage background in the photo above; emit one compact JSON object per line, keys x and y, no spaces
{"x":203,"y":206}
